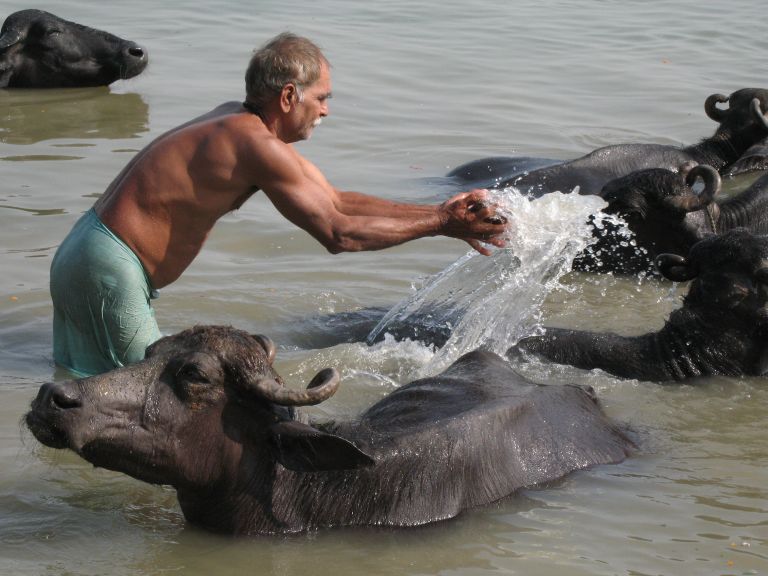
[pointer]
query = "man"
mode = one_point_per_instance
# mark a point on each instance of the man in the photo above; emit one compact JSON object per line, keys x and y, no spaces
{"x":155,"y":216}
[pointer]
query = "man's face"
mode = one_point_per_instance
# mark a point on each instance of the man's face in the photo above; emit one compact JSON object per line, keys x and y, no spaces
{"x":313,"y":107}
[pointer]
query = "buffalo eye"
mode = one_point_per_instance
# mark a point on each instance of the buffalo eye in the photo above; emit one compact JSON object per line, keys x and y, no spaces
{"x":42,"y":30}
{"x":43,"y":39}
{"x":195,"y":377}
{"x":192,"y":373}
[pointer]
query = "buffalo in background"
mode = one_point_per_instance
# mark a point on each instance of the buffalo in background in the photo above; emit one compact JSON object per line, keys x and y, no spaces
{"x":206,"y":413}
{"x":741,"y":125}
{"x":722,"y":327}
{"x":40,"y":50}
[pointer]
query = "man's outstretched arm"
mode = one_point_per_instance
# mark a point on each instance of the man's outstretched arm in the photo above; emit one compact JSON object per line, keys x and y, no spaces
{"x":352,"y":221}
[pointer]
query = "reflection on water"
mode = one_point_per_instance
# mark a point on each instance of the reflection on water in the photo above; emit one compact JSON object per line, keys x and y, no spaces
{"x":42,"y":212}
{"x":30,"y":116}
{"x":39,"y":158}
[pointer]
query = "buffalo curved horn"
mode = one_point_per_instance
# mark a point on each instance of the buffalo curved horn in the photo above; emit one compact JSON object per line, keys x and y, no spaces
{"x":322,"y":387}
{"x":759,"y":116}
{"x":9,"y":38}
{"x":710,"y":107}
{"x":674,"y":267}
{"x":712,"y":185}
{"x":268,"y":345}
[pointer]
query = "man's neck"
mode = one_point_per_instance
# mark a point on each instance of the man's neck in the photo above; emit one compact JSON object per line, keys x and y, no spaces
{"x":252,"y":108}
{"x":270,"y":117}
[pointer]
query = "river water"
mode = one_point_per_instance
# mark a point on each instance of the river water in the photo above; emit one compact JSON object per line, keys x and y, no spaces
{"x":419,"y":88}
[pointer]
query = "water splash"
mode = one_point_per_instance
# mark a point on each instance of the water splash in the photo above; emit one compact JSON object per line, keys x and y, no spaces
{"x":491,"y":302}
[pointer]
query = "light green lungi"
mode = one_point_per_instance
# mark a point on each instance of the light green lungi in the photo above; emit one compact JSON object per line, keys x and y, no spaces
{"x":102,"y":317}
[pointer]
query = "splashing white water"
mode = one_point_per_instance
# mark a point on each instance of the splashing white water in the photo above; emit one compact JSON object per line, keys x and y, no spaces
{"x":491,"y":302}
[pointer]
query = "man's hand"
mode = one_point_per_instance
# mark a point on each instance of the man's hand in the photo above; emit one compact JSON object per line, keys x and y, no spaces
{"x":470,"y":217}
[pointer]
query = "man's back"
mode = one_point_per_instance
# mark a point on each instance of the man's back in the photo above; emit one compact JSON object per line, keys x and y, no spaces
{"x":165,"y":202}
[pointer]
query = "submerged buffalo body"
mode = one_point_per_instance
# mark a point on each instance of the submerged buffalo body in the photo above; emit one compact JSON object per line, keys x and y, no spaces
{"x":741,"y":125}
{"x":722,"y":327}
{"x":206,"y":413}
{"x":40,"y":50}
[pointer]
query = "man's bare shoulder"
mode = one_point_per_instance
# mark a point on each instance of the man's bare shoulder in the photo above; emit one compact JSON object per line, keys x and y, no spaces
{"x":230,"y":132}
{"x":228,"y":126}
{"x":219,"y":112}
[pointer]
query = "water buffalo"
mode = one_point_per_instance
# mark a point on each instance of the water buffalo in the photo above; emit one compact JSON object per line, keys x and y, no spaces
{"x":206,"y":413}
{"x":665,"y":215}
{"x":722,"y":327}
{"x":40,"y":50}
{"x":662,"y":213}
{"x":741,"y":124}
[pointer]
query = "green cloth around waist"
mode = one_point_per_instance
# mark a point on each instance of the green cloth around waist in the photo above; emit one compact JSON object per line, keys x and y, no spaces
{"x":101,"y":297}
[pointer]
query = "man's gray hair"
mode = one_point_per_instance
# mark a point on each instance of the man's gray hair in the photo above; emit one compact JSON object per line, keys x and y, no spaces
{"x":286,"y":59}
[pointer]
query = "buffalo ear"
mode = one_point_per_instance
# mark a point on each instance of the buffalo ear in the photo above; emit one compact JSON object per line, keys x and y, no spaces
{"x":302,"y":448}
{"x":674,"y":267}
{"x":268,"y":345}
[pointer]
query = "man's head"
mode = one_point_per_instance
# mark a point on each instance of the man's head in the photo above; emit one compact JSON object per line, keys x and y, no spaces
{"x":285,"y":60}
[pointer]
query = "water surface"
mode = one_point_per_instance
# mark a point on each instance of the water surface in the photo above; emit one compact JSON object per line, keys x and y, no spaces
{"x":419,"y":88}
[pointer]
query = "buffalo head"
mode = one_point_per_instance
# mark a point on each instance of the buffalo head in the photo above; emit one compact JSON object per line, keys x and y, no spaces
{"x":663,"y":193}
{"x":40,"y":50}
{"x":661,"y":209}
{"x":729,"y":273}
{"x":178,"y":417}
{"x":746,"y":107}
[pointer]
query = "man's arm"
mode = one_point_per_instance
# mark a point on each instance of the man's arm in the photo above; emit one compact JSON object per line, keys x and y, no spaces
{"x":359,"y":204}
{"x":349,"y":221}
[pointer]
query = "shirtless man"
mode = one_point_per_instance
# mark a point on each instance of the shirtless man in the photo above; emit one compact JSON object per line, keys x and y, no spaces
{"x":154,"y":217}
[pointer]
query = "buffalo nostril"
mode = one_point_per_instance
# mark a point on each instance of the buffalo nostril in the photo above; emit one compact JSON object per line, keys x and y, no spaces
{"x":65,"y":397}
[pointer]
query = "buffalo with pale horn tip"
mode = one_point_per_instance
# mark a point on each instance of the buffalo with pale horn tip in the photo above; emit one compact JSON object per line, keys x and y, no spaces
{"x":660,"y":212}
{"x":41,"y":50}
{"x":206,"y":413}
{"x":665,"y":215}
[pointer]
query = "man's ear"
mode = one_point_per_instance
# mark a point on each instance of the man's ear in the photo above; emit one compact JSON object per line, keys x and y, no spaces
{"x":302,"y":448}
{"x":289,"y":96}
